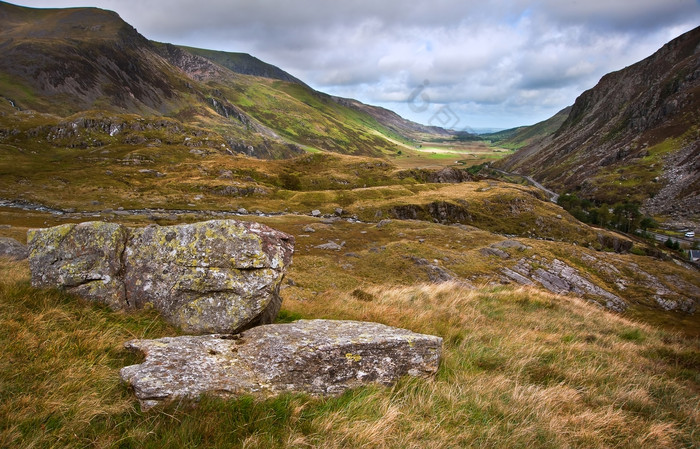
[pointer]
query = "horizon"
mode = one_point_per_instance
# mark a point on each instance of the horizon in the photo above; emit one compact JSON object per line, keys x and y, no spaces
{"x":459,"y":65}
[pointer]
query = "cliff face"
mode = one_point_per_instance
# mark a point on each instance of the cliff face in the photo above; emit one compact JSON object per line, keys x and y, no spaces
{"x":75,"y":57}
{"x":633,"y":137}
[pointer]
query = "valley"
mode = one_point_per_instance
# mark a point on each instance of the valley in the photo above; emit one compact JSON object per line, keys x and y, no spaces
{"x":558,"y":328}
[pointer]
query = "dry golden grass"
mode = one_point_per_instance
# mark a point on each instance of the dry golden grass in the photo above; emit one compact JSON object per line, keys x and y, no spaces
{"x":520,"y":368}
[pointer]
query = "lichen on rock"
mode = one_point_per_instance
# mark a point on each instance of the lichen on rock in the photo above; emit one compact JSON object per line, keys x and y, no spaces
{"x":319,"y":357}
{"x":214,"y":276}
{"x":83,"y":258}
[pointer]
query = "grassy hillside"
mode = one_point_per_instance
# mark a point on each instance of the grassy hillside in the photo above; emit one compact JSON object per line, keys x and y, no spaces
{"x":473,"y":260}
{"x":516,"y":138}
{"x":520,"y":368}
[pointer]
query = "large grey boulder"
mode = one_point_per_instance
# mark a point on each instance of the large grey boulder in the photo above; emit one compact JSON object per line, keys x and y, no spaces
{"x":319,"y":357}
{"x":83,"y":258}
{"x":12,"y":249}
{"x":214,"y":276}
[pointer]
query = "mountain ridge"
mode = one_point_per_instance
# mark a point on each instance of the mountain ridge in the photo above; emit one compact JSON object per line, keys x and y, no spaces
{"x":67,"y":61}
{"x":633,"y":137}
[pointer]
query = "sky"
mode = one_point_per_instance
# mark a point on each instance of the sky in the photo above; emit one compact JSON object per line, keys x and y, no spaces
{"x":461,"y":64}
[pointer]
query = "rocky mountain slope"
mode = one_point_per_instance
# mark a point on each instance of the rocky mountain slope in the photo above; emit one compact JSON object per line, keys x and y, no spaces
{"x":64,"y":62}
{"x":634,"y":137}
{"x":244,"y":64}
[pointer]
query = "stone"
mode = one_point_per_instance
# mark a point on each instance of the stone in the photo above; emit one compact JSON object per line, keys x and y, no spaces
{"x":308,"y":228}
{"x":449,"y":175}
{"x":435,"y":273}
{"x":12,"y":249}
{"x":383,"y":223}
{"x":510,"y":244}
{"x":560,"y":278}
{"x":494,"y":252}
{"x":517,"y":277}
{"x":330,"y":246}
{"x":614,"y":242}
{"x":83,"y":258}
{"x":214,"y":276}
{"x":318,"y":357}
{"x":316,"y":213}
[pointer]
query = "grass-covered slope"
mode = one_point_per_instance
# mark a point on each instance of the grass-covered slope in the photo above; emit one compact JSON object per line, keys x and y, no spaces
{"x":520,"y":368}
{"x":516,"y":138}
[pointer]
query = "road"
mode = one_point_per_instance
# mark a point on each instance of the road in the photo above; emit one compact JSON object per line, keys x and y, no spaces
{"x":680,"y":240}
{"x":553,"y":196}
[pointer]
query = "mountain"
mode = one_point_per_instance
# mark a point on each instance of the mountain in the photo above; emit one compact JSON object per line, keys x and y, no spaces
{"x":394,"y":121}
{"x":634,"y":137}
{"x":244,"y":64}
{"x":521,"y":136}
{"x":64,"y":62}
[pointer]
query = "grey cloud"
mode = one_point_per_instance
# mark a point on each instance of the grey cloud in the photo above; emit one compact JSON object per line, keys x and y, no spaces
{"x":485,"y":60}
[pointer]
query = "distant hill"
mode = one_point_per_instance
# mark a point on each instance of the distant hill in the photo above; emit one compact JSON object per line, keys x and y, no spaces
{"x":521,"y":136}
{"x":634,"y":137}
{"x":64,"y":62}
{"x":394,"y":121}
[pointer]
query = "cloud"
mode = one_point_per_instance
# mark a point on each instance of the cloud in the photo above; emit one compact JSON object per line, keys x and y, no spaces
{"x":505,"y":62}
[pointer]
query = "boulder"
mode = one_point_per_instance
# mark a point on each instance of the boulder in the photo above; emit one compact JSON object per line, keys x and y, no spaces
{"x":318,"y":357}
{"x":214,"y":276}
{"x":505,"y":244}
{"x":12,"y":249}
{"x":83,"y":258}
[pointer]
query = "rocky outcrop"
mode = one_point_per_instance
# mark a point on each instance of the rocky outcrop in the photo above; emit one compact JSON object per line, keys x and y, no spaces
{"x":497,"y":249}
{"x":560,"y":278}
{"x":319,"y":357}
{"x":435,"y":273}
{"x":85,"y":259}
{"x":447,"y":175}
{"x":12,"y":249}
{"x":214,"y":276}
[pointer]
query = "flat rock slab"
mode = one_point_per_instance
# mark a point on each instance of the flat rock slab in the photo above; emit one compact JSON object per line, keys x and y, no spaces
{"x":319,"y":357}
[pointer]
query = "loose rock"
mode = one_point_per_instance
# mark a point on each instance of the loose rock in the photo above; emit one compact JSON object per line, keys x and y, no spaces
{"x":329,"y":246}
{"x":319,"y":357}
{"x":12,"y":249}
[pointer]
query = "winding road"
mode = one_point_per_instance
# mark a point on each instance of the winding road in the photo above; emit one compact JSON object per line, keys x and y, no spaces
{"x":553,"y":196}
